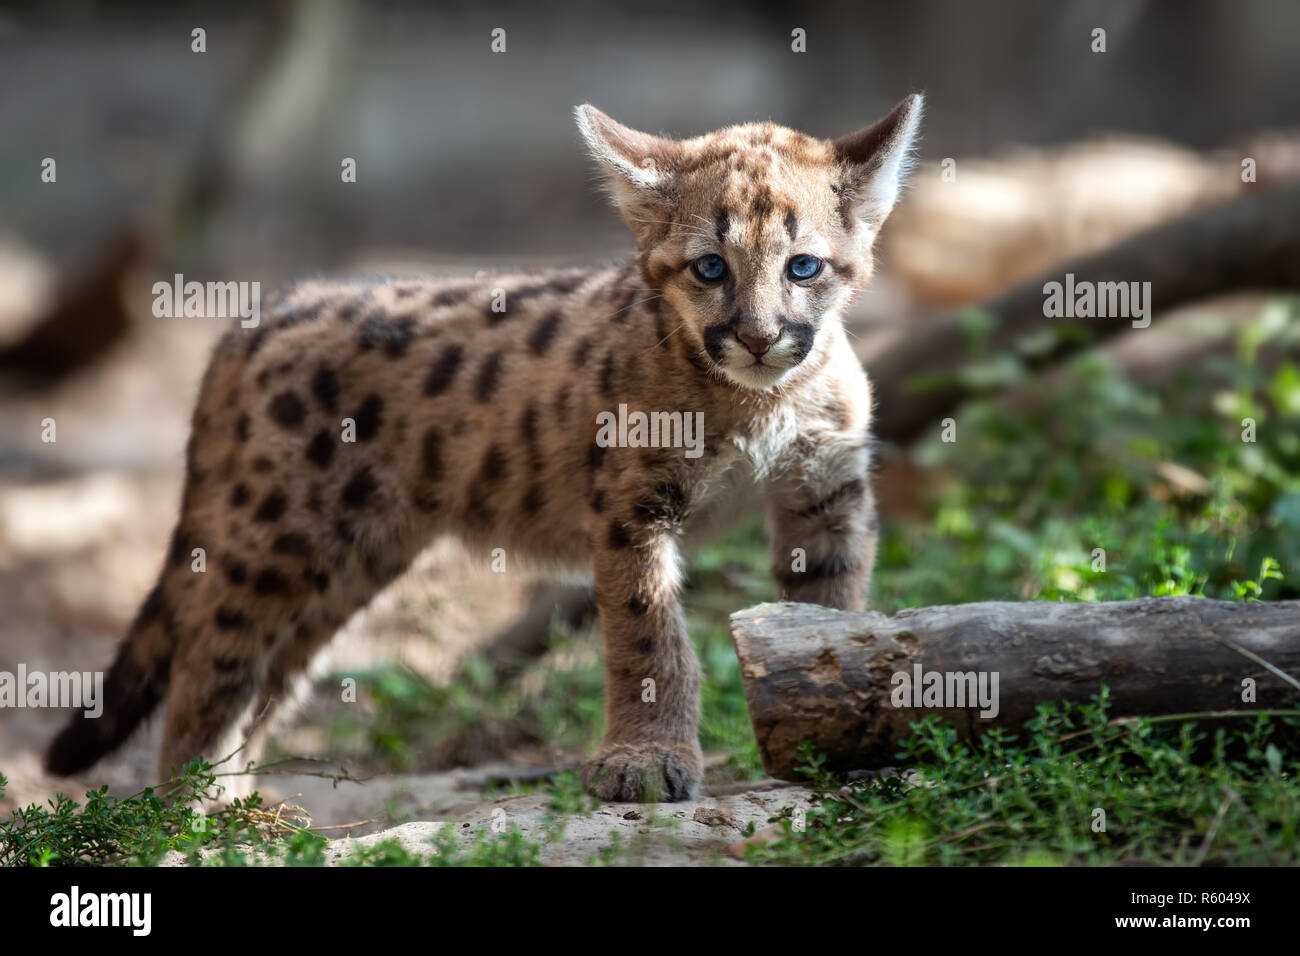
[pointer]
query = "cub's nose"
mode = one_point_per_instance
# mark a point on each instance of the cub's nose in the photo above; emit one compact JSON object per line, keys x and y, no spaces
{"x":759,"y":344}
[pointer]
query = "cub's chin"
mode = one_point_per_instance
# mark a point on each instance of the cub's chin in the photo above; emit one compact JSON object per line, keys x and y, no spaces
{"x":754,"y":376}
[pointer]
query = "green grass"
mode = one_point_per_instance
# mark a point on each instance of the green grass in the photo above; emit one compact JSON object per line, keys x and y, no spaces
{"x":1075,"y":789}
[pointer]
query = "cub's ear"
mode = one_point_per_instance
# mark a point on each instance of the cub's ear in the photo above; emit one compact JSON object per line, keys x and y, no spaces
{"x":638,"y":167}
{"x":877,"y":159}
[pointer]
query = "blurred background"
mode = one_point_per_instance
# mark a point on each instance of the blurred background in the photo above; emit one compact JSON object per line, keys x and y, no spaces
{"x":225,"y":165}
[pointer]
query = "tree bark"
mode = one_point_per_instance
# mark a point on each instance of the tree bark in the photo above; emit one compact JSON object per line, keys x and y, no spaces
{"x":1247,"y":243}
{"x":812,"y":673}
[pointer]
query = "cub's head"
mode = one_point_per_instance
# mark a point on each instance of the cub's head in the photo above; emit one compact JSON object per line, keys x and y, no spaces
{"x":757,"y":235}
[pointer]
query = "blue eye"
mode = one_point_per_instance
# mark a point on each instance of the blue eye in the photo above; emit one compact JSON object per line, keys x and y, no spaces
{"x":803,"y":268}
{"x":710,"y":268}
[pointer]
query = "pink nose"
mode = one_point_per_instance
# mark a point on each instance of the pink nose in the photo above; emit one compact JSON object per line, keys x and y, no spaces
{"x":759,"y":344}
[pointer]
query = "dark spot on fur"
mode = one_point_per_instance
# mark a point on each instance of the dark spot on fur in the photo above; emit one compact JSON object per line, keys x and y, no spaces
{"x":715,"y":335}
{"x":271,"y":508}
{"x":562,"y":285}
{"x":607,"y":383}
{"x":494,"y":464}
{"x":625,"y":307}
{"x":595,"y":456}
{"x":227,"y":664}
{"x":801,"y":335}
{"x":842,"y":268}
{"x":791,"y":224}
{"x":444,"y":370}
{"x":236,"y":572}
{"x":667,"y":504}
{"x":534,"y":499}
{"x":582,"y":350}
{"x":255,"y":341}
{"x":320,"y":580}
{"x":239,"y":496}
{"x":325,"y":386}
{"x":263,"y":465}
{"x":721,"y":225}
{"x":477,"y":507}
{"x":287,"y":410}
{"x":646,"y":645}
{"x":618,"y":536}
{"x":369,"y":417}
{"x":321,"y":450}
{"x":243,"y":427}
{"x":528,"y":423}
{"x":230,"y":619}
{"x":849,"y":491}
{"x":450,"y":297}
{"x":598,"y":501}
{"x":270,"y":581}
{"x":392,"y":335}
{"x":637,"y":606}
{"x":489,"y":376}
{"x":357,"y":492}
{"x":819,"y":570}
{"x":544,"y":333}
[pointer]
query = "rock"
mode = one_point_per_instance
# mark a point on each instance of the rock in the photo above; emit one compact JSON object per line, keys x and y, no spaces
{"x":712,"y":817}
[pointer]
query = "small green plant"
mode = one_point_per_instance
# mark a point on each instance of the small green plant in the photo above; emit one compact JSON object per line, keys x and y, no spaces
{"x":1251,"y":590}
{"x":138,"y":829}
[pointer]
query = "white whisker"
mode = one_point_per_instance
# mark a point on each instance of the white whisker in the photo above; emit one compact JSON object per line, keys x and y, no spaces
{"x":633,"y":305}
{"x":665,"y":338}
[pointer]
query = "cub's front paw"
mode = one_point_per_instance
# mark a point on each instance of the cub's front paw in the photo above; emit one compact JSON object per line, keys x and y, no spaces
{"x":644,"y":773}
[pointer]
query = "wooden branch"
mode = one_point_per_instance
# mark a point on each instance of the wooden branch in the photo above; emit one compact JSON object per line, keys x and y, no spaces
{"x":812,"y":673}
{"x":1247,"y":243}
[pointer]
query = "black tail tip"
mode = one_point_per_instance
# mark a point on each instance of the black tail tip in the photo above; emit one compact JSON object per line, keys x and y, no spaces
{"x":75,"y":749}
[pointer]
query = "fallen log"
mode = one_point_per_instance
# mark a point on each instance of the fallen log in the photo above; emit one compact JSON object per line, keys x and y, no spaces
{"x":838,"y":678}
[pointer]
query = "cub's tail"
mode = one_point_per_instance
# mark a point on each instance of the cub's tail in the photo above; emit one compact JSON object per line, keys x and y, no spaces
{"x":133,"y":687}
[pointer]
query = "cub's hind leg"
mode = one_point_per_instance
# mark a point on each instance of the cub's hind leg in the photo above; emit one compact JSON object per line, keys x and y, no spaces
{"x":288,"y":682}
{"x":213,"y":689}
